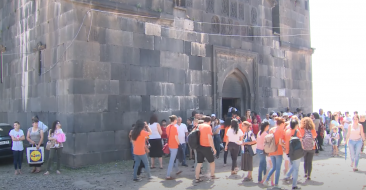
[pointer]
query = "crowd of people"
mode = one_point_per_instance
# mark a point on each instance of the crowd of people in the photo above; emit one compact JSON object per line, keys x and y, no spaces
{"x":35,"y":136}
{"x":281,"y":136}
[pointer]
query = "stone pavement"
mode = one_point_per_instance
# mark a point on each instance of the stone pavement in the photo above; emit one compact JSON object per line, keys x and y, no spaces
{"x":328,"y":173}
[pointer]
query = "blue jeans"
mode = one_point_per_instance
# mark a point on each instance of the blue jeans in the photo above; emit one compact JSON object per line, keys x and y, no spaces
{"x":217,"y":142}
{"x":173,"y":155}
{"x":262,"y":164}
{"x":294,"y":171}
{"x":354,"y":150}
{"x":276,"y":162}
{"x":184,"y":147}
{"x":18,"y":158}
{"x":138,"y":159}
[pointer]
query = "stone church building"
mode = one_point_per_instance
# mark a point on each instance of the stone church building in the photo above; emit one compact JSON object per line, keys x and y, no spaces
{"x":99,"y":65}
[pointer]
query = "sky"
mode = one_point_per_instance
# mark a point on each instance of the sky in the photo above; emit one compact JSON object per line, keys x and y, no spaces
{"x":338,"y":34}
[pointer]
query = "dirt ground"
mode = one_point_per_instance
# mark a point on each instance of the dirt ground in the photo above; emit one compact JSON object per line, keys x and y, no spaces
{"x":328,"y":173}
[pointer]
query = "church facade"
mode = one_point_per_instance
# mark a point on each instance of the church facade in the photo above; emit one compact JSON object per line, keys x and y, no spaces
{"x":98,"y":66}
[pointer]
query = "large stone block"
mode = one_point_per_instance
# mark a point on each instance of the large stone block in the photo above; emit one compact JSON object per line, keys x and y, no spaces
{"x":138,"y":88}
{"x":149,"y":57}
{"x":94,"y":103}
{"x":80,"y":86}
{"x":168,"y":44}
{"x":80,"y":139}
{"x":119,"y":38}
{"x":152,"y":29}
{"x":176,"y":75}
{"x":174,"y":60}
{"x":129,"y":118}
{"x":195,"y":63}
{"x":83,"y":51}
{"x":102,"y":86}
{"x":158,"y":74}
{"x":139,"y":73}
{"x":121,"y":139}
{"x":143,"y":41}
{"x":135,"y":103}
{"x":101,"y":141}
{"x":86,"y":122}
{"x":111,"y":121}
{"x":97,"y":70}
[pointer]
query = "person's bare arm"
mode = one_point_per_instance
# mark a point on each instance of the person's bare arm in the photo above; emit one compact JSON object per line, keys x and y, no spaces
{"x":148,"y":130}
{"x":41,"y":140}
{"x":210,"y":139}
{"x":22,"y":138}
{"x":176,"y":138}
{"x":362,"y":133}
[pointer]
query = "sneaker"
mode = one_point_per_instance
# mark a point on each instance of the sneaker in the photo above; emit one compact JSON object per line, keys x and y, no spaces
{"x":296,"y":187}
{"x":287,"y":179}
{"x":137,"y":180}
{"x":265,"y":183}
{"x":185,"y":165}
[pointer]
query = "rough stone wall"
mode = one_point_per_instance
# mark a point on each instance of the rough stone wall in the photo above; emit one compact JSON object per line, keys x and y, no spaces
{"x":122,"y":67}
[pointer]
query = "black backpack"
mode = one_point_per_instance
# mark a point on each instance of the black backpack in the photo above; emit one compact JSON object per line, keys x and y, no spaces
{"x":194,"y":138}
{"x":296,"y":150}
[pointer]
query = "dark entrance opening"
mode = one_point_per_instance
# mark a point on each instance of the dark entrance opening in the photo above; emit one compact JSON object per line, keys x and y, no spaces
{"x":227,"y":102}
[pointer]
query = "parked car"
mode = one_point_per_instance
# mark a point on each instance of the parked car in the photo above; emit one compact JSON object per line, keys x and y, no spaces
{"x":5,"y":140}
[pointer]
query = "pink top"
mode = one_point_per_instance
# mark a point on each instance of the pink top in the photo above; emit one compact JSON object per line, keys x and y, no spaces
{"x":260,"y":140}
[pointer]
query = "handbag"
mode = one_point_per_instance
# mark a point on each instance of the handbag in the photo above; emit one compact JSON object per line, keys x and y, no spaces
{"x":166,"y":146}
{"x":249,"y":148}
{"x":34,"y":155}
{"x":50,"y":143}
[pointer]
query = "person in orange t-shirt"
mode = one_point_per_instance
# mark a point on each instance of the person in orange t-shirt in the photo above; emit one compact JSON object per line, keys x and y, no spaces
{"x":206,"y":150}
{"x":276,"y":157}
{"x":173,"y":143}
{"x":295,"y":164}
{"x":226,"y":126}
{"x":138,"y":137}
{"x":308,"y":124}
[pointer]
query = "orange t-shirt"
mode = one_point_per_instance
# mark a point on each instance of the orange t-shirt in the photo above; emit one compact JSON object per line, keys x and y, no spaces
{"x":205,"y":130}
{"x":172,"y":131}
{"x":225,"y":137}
{"x":287,"y":137}
{"x":313,"y":132}
{"x":139,"y":143}
{"x":278,"y":134}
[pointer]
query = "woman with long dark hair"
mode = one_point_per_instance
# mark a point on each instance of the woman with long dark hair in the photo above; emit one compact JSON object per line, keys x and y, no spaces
{"x":139,"y":134}
{"x":226,"y":127}
{"x":235,"y":137}
{"x":57,"y":146}
{"x":156,"y":147}
{"x":260,"y":150}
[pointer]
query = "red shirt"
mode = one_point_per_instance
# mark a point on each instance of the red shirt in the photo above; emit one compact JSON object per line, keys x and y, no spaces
{"x":163,"y":134}
{"x":255,"y":129}
{"x":278,"y":134}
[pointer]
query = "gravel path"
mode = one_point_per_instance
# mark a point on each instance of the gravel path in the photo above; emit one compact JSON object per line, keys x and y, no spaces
{"x":330,"y":173}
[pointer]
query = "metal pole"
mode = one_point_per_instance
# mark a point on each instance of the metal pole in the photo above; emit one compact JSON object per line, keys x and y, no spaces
{"x":2,"y":68}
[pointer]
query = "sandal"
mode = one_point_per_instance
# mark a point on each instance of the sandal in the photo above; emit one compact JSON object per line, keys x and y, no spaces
{"x":37,"y":171}
{"x":58,"y":172}
{"x":47,"y":173}
{"x":16,"y":172}
{"x":19,"y":172}
{"x":178,"y":172}
{"x":233,"y":172}
{"x":169,"y":178}
{"x":152,"y":167}
{"x":198,"y":180}
{"x":355,"y":169}
{"x":246,"y":179}
{"x":34,"y":170}
{"x":214,"y":177}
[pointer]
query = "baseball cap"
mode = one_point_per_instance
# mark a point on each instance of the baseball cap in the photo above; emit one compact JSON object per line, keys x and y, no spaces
{"x":274,"y":114}
{"x":213,"y":115}
{"x":285,"y":114}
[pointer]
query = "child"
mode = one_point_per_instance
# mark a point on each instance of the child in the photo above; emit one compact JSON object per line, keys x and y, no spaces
{"x":335,"y":137}
{"x":17,"y":136}
{"x":60,"y":136}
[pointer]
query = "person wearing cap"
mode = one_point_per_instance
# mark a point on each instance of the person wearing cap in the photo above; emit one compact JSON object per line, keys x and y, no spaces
{"x":272,"y":122}
{"x":285,"y":116}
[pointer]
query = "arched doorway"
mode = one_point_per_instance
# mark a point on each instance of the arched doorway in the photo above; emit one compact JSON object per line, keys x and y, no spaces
{"x":235,"y":93}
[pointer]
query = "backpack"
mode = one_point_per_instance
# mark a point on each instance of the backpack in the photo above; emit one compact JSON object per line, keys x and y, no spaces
{"x":270,"y":143}
{"x":194,"y":139}
{"x":308,"y":140}
{"x":296,"y":150}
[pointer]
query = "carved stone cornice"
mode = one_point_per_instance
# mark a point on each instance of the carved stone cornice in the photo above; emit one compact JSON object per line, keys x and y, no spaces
{"x":296,"y":48}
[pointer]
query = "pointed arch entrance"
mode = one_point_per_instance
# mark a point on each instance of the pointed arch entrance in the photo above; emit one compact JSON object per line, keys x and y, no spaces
{"x":235,"y":74}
